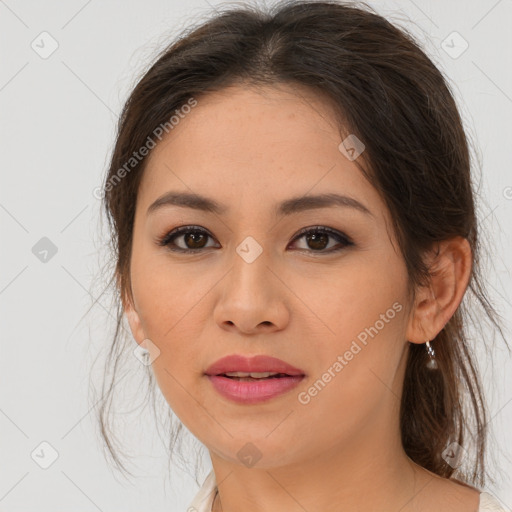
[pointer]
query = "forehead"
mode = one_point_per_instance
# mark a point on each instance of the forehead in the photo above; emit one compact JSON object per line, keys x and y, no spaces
{"x":241,"y":119}
{"x":245,"y":143}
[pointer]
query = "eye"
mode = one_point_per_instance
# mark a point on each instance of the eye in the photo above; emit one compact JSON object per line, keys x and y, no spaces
{"x":317,"y":238}
{"x":195,"y":238}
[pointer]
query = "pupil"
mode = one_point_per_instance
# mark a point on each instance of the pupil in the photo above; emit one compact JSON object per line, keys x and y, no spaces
{"x":194,"y":241}
{"x":319,"y":239}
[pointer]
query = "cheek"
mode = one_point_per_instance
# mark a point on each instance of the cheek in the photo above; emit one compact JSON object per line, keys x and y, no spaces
{"x":363,"y":324}
{"x":357,"y":378}
{"x":172,"y":317}
{"x":168,"y":296}
{"x":363,"y":299}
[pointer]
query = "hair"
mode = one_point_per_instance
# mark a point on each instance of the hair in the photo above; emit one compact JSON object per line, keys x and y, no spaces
{"x":385,"y":90}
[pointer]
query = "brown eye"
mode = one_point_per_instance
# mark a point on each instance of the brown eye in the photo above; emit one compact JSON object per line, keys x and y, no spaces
{"x":192,"y":239}
{"x":317,"y":239}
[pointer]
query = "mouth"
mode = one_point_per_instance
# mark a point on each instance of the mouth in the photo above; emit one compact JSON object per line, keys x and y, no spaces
{"x":252,"y":390}
{"x":253,"y":380}
{"x":251,"y":377}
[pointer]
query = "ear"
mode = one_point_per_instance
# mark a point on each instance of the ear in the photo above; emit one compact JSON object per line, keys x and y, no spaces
{"x":133,"y":320}
{"x":434,"y":306}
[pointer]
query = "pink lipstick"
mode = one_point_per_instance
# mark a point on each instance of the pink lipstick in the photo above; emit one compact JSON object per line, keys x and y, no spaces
{"x":251,"y":380}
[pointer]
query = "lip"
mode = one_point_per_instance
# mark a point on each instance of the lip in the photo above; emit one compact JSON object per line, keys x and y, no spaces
{"x":245,"y":392}
{"x":257,"y":391}
{"x":259,"y":363}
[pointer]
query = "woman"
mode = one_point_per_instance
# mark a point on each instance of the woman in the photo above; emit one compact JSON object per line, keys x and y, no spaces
{"x":294,"y":230}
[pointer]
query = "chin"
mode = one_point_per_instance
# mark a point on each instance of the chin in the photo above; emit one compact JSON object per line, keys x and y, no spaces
{"x":255,"y":452}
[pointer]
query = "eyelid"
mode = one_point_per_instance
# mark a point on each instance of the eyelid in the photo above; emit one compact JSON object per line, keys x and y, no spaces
{"x":173,"y":233}
{"x":320,"y":228}
{"x":333,"y":233}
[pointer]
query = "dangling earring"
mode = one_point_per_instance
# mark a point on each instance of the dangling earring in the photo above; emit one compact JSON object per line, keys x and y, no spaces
{"x":432,"y":363}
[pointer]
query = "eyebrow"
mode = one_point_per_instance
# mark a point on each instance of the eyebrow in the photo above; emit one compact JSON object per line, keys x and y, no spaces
{"x":288,"y":207}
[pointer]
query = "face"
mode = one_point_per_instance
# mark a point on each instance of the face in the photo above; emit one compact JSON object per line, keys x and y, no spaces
{"x":257,"y":279}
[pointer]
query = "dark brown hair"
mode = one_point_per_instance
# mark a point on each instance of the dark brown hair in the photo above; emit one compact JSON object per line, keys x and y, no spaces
{"x":384,"y":89}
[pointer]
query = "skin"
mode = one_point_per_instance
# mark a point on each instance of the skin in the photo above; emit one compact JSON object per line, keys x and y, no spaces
{"x":249,"y":149}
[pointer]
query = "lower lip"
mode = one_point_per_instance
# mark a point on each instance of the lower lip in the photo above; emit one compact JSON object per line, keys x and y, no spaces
{"x":253,"y":392}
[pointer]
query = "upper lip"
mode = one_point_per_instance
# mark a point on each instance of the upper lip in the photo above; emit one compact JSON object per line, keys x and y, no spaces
{"x":259,"y":363}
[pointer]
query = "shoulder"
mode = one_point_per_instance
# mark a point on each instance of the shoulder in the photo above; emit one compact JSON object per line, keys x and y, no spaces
{"x":203,"y":500}
{"x":488,"y":503}
{"x":439,"y":493}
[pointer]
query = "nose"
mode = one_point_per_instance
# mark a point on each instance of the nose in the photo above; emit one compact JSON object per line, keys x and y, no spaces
{"x":252,"y":298}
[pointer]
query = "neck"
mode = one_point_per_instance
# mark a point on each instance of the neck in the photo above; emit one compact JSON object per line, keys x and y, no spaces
{"x":378,"y":477}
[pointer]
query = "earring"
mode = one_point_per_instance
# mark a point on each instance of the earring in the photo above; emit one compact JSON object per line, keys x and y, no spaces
{"x":432,"y":363}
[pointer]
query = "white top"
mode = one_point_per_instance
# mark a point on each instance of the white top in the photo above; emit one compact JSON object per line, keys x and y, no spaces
{"x":204,"y":498}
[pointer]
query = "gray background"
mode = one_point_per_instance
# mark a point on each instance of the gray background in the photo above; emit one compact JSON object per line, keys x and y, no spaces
{"x":58,"y":117}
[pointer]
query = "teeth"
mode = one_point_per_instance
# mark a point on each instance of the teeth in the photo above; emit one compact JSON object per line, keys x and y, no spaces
{"x":254,"y":375}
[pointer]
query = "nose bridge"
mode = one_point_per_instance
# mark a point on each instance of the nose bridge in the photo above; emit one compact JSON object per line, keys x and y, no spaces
{"x":249,"y":266}
{"x":249,"y":296}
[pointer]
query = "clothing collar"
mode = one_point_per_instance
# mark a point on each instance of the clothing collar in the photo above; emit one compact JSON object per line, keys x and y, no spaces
{"x":203,"y":500}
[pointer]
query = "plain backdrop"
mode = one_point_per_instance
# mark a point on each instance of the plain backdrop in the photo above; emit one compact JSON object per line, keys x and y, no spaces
{"x":66,"y":70}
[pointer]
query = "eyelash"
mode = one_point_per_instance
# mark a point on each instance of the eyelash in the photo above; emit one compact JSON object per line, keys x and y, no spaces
{"x":166,"y":240}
